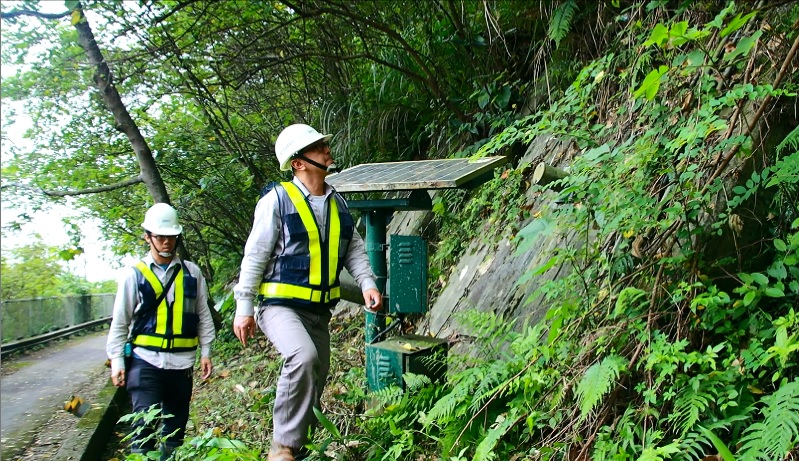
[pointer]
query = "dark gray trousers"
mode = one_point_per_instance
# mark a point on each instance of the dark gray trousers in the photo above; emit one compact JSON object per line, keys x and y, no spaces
{"x":170,"y":390}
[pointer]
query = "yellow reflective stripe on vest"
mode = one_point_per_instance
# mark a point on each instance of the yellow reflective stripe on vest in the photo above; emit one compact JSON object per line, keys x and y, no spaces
{"x":314,"y":246}
{"x":288,"y":291}
{"x":334,"y":240}
{"x":158,"y":288}
{"x":177,"y":308}
{"x":166,"y":344}
{"x":161,"y":312}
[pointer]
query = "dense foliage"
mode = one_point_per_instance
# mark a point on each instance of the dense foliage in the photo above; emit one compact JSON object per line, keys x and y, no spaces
{"x":671,"y":331}
{"x":38,"y":271}
{"x":210,"y":85}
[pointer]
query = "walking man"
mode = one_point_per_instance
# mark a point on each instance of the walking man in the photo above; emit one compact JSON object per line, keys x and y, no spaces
{"x":302,"y":237}
{"x":161,"y":310}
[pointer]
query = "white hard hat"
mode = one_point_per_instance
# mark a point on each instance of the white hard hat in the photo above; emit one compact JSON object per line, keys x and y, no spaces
{"x":293,"y":139}
{"x":162,"y":219}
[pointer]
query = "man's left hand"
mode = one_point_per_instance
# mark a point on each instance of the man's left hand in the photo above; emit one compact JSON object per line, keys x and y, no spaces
{"x":373,"y":300}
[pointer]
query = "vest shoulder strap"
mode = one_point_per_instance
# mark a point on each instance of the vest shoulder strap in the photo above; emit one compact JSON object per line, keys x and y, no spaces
{"x":160,"y":290}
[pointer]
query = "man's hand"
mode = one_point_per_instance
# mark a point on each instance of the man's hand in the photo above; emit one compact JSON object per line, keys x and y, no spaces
{"x":373,"y":300}
{"x":118,"y":378}
{"x":244,"y":327}
{"x":206,"y":366}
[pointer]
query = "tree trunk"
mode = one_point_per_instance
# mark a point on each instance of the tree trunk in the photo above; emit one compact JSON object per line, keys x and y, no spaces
{"x":105,"y":83}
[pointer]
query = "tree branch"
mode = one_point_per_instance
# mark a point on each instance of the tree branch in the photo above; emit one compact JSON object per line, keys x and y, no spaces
{"x":104,"y":81}
{"x":13,"y":14}
{"x":756,"y":118}
{"x":91,"y":190}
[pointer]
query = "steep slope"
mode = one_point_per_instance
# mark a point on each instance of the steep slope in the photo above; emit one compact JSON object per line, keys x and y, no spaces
{"x":653,"y":289}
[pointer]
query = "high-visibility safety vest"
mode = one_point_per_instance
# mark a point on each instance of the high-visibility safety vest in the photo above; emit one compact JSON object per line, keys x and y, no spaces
{"x":165,"y":327}
{"x":306,"y":273}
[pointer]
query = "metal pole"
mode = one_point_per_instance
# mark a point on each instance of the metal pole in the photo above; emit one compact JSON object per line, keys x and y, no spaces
{"x":376,"y":249}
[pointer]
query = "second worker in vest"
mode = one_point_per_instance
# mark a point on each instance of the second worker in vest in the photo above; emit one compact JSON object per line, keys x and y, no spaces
{"x":161,"y":307}
{"x":302,"y":237}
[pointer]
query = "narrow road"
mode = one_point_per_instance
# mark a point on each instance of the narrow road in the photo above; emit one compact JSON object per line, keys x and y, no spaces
{"x":42,"y":382}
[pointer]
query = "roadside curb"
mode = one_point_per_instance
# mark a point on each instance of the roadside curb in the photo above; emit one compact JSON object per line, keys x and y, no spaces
{"x":91,"y":437}
{"x":96,"y":446}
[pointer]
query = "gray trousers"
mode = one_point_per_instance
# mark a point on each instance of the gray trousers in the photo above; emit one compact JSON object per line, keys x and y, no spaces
{"x":302,"y":337}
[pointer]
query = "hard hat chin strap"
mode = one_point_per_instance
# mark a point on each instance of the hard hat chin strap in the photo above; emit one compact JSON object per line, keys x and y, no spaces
{"x":165,"y":254}
{"x":333,"y":168}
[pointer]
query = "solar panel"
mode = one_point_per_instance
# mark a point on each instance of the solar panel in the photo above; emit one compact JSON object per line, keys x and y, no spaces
{"x":416,"y":174}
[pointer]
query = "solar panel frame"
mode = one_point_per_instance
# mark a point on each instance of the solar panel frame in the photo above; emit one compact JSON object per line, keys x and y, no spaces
{"x":415,"y":174}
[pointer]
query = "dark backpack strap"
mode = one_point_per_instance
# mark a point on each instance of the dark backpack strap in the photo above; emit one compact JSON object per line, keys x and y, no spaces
{"x":265,"y":190}
{"x":169,"y":284}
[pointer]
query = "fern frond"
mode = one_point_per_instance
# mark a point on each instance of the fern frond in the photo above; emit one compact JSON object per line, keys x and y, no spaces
{"x":496,"y":373}
{"x":504,"y":423}
{"x":388,"y":396}
{"x":561,"y":22}
{"x":689,"y":406}
{"x":791,"y":142}
{"x":786,"y":170}
{"x":778,"y":433}
{"x":659,"y":453}
{"x":461,"y":393}
{"x":696,"y":444}
{"x":597,"y":382}
{"x":558,"y":395}
{"x":414,"y":382}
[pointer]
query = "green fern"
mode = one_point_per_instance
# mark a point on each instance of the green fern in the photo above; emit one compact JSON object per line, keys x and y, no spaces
{"x":694,"y":445}
{"x":791,"y":142}
{"x":778,"y":433}
{"x":496,"y":373}
{"x":501,"y":426}
{"x":597,"y":382}
{"x":561,"y":22}
{"x":786,"y":170}
{"x":444,"y":408}
{"x":388,"y":396}
{"x":689,"y":406}
{"x":659,"y":453}
{"x":414,"y":382}
{"x":491,"y":333}
{"x":718,"y":444}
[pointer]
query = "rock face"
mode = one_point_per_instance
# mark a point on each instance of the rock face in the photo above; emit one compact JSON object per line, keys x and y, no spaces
{"x":493,"y":275}
{"x":490,"y":277}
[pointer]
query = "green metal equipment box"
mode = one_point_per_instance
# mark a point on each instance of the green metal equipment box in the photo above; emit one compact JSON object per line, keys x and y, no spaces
{"x":387,"y":361}
{"x":408,"y":275}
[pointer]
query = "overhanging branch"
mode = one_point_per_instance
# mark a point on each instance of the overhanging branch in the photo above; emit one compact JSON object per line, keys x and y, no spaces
{"x":17,"y":13}
{"x":67,"y":193}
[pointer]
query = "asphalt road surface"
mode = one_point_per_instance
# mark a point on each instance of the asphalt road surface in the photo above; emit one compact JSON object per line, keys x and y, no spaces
{"x":35,"y":386}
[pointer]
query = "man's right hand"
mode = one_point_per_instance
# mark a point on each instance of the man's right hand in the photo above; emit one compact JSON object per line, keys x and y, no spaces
{"x":118,"y":378}
{"x":244,"y":327}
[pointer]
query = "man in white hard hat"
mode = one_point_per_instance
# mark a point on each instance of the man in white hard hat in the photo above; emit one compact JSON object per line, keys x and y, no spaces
{"x":302,"y":237}
{"x":161,"y":316}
